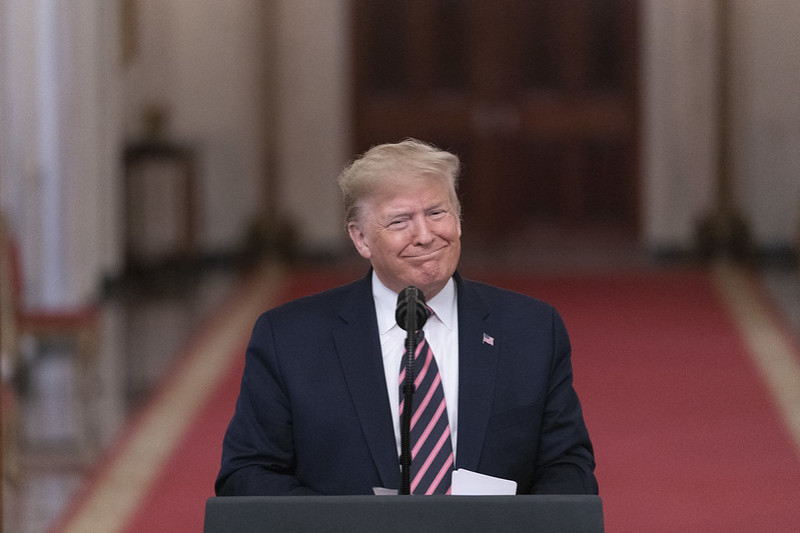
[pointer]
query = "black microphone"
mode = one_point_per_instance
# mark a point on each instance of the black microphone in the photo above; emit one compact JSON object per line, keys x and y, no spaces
{"x":411,"y":315}
{"x":411,"y":309}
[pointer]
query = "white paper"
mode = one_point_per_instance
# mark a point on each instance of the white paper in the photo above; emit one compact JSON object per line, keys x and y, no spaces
{"x":468,"y":483}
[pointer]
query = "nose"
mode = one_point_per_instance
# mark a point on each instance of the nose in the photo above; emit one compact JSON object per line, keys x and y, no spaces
{"x":422,"y":232}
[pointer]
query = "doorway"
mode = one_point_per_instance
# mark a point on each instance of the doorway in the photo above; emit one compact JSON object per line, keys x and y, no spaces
{"x":537,"y":97}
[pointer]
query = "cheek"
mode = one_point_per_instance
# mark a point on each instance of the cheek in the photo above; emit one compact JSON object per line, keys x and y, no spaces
{"x":394,"y":246}
{"x":386,"y":245}
{"x":454,"y":230}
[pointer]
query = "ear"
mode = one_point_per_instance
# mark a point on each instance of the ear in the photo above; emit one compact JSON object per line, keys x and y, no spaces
{"x":359,"y":239}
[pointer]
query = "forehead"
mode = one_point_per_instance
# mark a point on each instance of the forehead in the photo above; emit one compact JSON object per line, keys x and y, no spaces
{"x":408,"y":194}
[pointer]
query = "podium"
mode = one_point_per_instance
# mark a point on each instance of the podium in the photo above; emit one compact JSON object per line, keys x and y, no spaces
{"x":406,"y":514}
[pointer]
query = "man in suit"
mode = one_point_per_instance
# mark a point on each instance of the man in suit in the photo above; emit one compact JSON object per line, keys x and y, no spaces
{"x":319,"y":411}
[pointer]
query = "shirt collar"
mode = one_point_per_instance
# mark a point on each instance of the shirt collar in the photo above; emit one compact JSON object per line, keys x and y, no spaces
{"x":443,"y":304}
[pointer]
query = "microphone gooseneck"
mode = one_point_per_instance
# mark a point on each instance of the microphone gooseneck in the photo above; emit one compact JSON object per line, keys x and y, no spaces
{"x":411,"y":314}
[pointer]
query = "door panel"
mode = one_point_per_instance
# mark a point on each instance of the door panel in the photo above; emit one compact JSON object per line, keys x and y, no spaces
{"x":538,"y":97}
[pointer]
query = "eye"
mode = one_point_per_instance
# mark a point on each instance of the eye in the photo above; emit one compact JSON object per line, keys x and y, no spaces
{"x":398,"y":223}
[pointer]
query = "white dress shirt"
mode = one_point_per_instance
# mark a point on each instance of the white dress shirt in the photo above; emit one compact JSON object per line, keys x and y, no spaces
{"x":441,"y":331}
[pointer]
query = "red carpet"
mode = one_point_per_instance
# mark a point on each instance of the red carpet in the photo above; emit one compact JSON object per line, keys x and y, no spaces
{"x":685,"y":433}
{"x":686,"y":437}
{"x":177,"y":500}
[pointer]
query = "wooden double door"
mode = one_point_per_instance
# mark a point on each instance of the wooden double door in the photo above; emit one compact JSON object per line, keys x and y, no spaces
{"x":537,"y":97}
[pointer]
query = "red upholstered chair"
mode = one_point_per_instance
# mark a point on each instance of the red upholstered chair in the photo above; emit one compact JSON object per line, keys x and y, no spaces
{"x":79,"y":326}
{"x":9,"y":415}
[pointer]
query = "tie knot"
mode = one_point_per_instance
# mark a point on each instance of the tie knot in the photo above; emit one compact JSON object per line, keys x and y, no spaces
{"x":420,"y":332}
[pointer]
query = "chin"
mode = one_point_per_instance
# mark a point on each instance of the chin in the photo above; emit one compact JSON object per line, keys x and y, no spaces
{"x":432,"y":282}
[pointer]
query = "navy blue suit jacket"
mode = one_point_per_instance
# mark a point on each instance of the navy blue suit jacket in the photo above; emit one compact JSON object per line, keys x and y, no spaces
{"x":313,"y":414}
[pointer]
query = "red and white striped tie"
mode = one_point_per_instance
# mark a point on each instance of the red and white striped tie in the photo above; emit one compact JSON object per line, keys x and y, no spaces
{"x":430,"y":443}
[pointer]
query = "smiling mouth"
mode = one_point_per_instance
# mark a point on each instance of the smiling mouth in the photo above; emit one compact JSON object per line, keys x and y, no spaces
{"x":426,"y":255}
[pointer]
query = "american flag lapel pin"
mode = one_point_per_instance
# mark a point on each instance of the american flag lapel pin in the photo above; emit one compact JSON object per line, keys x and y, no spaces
{"x":488,"y":339}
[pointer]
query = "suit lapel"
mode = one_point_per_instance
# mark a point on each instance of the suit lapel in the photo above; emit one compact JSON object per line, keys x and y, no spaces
{"x":478,"y":358}
{"x":358,"y":346}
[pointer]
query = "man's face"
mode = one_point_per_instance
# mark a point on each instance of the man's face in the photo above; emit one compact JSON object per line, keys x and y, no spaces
{"x":411,"y":235}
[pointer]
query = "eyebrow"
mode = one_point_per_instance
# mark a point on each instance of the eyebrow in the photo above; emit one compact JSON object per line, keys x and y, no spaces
{"x":407,"y":212}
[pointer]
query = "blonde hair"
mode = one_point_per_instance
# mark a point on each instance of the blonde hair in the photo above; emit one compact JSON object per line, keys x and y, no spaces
{"x":385,"y":165}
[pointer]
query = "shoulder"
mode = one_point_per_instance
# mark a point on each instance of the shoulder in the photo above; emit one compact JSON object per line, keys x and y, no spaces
{"x":493,"y":297}
{"x":520,"y":319}
{"x":319,"y":302}
{"x":319,"y":306}
{"x":508,"y":309}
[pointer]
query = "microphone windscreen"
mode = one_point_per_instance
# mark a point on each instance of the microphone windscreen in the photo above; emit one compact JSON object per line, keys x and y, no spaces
{"x":411,"y":300}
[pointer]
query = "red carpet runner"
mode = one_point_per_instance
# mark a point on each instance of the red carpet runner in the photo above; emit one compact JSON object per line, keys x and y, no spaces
{"x":686,"y":435}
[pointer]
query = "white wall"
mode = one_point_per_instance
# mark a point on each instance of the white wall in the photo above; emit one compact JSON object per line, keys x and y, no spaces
{"x":679,"y":119}
{"x":208,"y":62}
{"x":313,"y":116}
{"x":68,"y":102}
{"x":204,"y":63}
{"x":679,"y":137}
{"x":766,"y":96}
{"x":59,"y":133}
